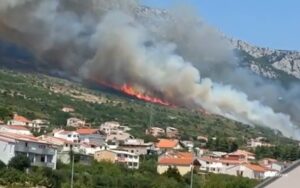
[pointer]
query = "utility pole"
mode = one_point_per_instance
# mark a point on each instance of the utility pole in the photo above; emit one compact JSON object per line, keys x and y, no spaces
{"x":72,"y":173}
{"x":192,"y":174}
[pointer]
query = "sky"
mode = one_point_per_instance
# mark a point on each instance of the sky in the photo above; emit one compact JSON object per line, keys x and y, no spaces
{"x":266,"y":23}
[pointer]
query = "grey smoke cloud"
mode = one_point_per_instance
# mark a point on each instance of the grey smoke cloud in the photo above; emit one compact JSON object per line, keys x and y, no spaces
{"x":103,"y":40}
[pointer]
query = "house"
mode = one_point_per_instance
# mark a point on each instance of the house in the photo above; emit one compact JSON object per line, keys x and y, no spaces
{"x":168,"y":144}
{"x":258,"y":142}
{"x":2,"y":122}
{"x":71,"y":136}
{"x":63,"y":147}
{"x":67,"y":109}
{"x":136,"y":146}
{"x":172,"y":132}
{"x":272,"y":164}
{"x":252,"y":171}
{"x":39,"y":124}
{"x":16,"y":129}
{"x":183,"y":161}
{"x":19,"y":120}
{"x":217,"y":165}
{"x":241,"y":155}
{"x":130,"y":160}
{"x":118,"y":136}
{"x":187,"y":144}
{"x":39,"y":152}
{"x":155,"y":131}
{"x":90,"y":148}
{"x":75,"y":122}
{"x":110,"y":127}
{"x":91,"y":135}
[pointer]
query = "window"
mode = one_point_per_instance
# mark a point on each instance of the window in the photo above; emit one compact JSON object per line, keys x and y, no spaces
{"x":227,"y":164}
{"x":43,"y":158}
{"x":69,"y":135}
{"x":26,"y":144}
{"x":135,"y":164}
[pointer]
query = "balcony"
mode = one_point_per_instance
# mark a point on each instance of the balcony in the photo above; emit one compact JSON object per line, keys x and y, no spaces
{"x":42,"y":164}
{"x":36,"y":150}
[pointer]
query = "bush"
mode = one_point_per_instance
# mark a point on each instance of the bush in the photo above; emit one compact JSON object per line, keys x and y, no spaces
{"x":19,"y":162}
{"x":2,"y":165}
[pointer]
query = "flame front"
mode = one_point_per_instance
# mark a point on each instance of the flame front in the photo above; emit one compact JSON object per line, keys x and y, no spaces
{"x":133,"y":92}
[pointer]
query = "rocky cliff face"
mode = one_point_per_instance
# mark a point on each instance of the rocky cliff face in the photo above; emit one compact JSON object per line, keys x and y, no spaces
{"x":268,"y":62}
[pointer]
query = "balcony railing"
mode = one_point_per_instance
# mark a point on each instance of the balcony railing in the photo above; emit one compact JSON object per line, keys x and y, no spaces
{"x":42,"y":164}
{"x":36,"y":150}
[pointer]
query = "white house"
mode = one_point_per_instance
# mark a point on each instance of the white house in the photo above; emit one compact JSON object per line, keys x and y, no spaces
{"x":19,"y":120}
{"x":131,"y":160}
{"x":75,"y":122}
{"x":71,"y":136}
{"x":39,"y":152}
{"x":39,"y":124}
{"x":110,"y":127}
{"x":16,"y":129}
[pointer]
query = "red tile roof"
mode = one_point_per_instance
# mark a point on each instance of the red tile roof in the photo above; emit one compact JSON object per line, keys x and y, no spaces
{"x":22,"y":137}
{"x":175,"y":161}
{"x":167,"y":143}
{"x":21,"y":118}
{"x":86,"y":131}
{"x":16,"y":127}
{"x":256,"y":168}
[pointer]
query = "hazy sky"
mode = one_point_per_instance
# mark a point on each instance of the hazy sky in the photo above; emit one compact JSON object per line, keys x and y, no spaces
{"x":267,"y":23}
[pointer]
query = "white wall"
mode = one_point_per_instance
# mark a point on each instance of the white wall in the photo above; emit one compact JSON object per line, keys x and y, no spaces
{"x":7,"y":151}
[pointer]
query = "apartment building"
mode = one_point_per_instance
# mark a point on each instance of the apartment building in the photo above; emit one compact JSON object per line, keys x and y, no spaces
{"x":39,"y":152}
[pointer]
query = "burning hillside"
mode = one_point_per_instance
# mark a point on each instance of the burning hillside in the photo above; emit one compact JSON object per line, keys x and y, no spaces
{"x":104,"y":41}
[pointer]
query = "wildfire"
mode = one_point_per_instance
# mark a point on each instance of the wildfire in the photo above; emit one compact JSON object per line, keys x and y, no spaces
{"x":132,"y":92}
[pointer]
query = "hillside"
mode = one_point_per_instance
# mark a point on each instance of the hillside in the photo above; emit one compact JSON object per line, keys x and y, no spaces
{"x":39,"y":96}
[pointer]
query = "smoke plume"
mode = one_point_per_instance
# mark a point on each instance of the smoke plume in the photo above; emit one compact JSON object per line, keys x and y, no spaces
{"x":105,"y":41}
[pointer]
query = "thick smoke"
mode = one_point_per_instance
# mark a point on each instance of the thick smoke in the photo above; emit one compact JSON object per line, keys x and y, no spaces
{"x":104,"y":41}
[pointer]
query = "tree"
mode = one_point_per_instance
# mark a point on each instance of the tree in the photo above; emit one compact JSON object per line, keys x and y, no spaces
{"x":20,"y":162}
{"x":173,"y":173}
{"x":2,"y":165}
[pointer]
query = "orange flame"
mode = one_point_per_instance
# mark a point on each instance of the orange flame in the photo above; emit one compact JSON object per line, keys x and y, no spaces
{"x":132,"y":92}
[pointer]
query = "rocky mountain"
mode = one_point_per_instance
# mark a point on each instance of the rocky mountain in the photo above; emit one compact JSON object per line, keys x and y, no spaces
{"x":283,"y":65}
{"x":270,"y":63}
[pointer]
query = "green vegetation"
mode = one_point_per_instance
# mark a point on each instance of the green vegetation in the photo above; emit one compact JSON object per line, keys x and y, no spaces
{"x":19,"y":162}
{"x":33,"y":96}
{"x":280,"y":152}
{"x":116,"y":176}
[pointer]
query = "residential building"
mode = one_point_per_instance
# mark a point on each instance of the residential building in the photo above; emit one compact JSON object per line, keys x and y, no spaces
{"x":91,"y":135}
{"x":252,"y":171}
{"x":39,"y":124}
{"x":130,"y":160}
{"x":16,"y":129}
{"x":118,"y":136}
{"x":183,"y":161}
{"x":39,"y":152}
{"x":63,"y":147}
{"x":110,"y":127}
{"x":217,"y":165}
{"x":172,"y":132}
{"x":257,"y":142}
{"x":19,"y":120}
{"x":90,"y":148}
{"x":187,"y":144}
{"x":75,"y":122}
{"x":202,"y":139}
{"x":71,"y":136}
{"x":241,"y":155}
{"x":136,"y":146}
{"x":2,"y":122}
{"x":168,"y":144}
{"x":155,"y":131}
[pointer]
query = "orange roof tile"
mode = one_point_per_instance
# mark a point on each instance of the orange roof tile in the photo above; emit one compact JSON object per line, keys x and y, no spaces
{"x":167,"y":143}
{"x":16,"y":127}
{"x":175,"y":161}
{"x":21,"y":118}
{"x":255,"y":167}
{"x":86,"y":131}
